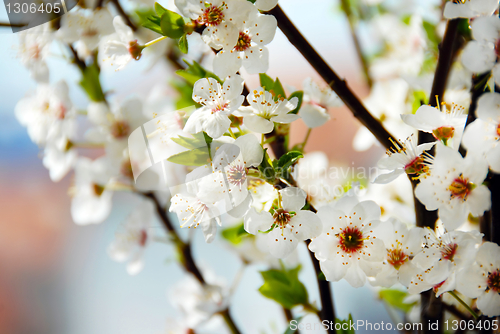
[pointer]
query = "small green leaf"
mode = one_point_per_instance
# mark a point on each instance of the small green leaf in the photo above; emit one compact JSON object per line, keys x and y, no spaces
{"x":195,"y":72}
{"x":195,"y":157}
{"x":183,"y":44}
{"x":284,"y":287}
{"x":278,"y":90}
{"x":418,"y":99}
{"x":172,"y":24}
{"x":299,"y":95}
{"x":345,"y":326}
{"x":235,"y":234}
{"x":266,"y":82}
{"x":289,"y":159}
{"x":266,"y":168}
{"x":197,"y":141}
{"x":395,"y":298}
{"x":160,"y":10}
{"x":154,"y":27}
{"x":91,"y":84}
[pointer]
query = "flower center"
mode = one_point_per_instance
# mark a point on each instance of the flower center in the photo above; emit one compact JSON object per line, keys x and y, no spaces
{"x":237,"y":175}
{"x":219,"y":108}
{"x":126,"y":169}
{"x":443,"y":133}
{"x":461,"y":187}
{"x":448,"y":251}
{"x":396,"y":257}
{"x":281,"y":217}
{"x":213,"y":15}
{"x":494,"y":281}
{"x":98,"y":189}
{"x":416,"y":166}
{"x":120,"y":129}
{"x":351,"y":239}
{"x":243,"y":42}
{"x":498,"y":131}
{"x":135,"y":49}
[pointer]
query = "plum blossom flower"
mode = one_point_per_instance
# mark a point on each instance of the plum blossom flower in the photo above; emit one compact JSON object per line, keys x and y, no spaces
{"x":91,"y":202}
{"x":482,"y":279}
{"x":289,"y":223}
{"x":218,"y":102}
{"x":120,"y":48}
{"x":132,"y":238}
{"x":401,"y":244}
{"x":192,"y":210}
{"x":454,"y":187}
{"x":228,"y":179}
{"x":482,"y":136}
{"x":444,"y":255}
{"x":249,"y":50}
{"x":34,"y":46}
{"x":446,"y":126}
{"x":348,"y":247}
{"x":314,"y":111}
{"x":85,"y":27}
{"x":264,"y":110}
{"x":469,"y":8}
{"x":45,"y":112}
{"x":266,"y":5}
{"x":59,"y":155}
{"x":480,"y":54}
{"x":407,"y":158}
{"x":198,"y":302}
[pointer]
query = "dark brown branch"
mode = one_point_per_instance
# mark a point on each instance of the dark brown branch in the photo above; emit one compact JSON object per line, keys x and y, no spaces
{"x":327,"y":309}
{"x":13,"y":25}
{"x":432,"y":308}
{"x":338,"y":85}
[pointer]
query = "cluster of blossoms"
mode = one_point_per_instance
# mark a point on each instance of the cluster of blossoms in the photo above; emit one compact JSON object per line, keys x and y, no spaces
{"x":222,"y":155}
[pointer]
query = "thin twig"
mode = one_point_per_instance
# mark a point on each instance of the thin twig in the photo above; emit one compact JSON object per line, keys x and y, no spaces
{"x":13,"y":25}
{"x":338,"y":85}
{"x":352,"y":26}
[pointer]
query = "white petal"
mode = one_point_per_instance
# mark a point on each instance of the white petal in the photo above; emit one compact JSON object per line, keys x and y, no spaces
{"x":470,"y":282}
{"x":257,"y":221}
{"x":258,"y":124}
{"x":293,"y":198}
{"x":256,"y":59}
{"x":226,"y":63}
{"x":313,"y":116}
{"x":489,"y":303}
{"x":306,"y":225}
{"x":250,"y":150}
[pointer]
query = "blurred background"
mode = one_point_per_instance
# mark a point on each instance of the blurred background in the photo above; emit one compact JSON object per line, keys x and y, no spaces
{"x":56,"y":277}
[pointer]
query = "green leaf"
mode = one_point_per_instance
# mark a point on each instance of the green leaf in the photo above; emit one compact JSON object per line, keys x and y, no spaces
{"x":395,"y":298}
{"x":172,"y":24}
{"x":151,"y":26}
{"x":160,"y":10}
{"x":195,"y":72}
{"x":185,"y":91}
{"x":430,"y":30}
{"x":300,"y":95}
{"x":418,"y":99}
{"x":266,"y":168}
{"x":284,"y":287}
{"x":278,"y":90}
{"x":266,"y":82}
{"x":288,"y":159}
{"x":197,"y":141}
{"x":348,"y":328}
{"x":195,"y":157}
{"x":183,"y":44}
{"x":235,"y":234}
{"x":91,"y":84}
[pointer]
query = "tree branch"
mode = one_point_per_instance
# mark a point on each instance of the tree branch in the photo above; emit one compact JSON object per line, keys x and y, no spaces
{"x":187,"y":258}
{"x":124,"y":15}
{"x":338,"y":85}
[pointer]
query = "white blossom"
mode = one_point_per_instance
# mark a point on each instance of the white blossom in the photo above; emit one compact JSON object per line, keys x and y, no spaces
{"x":34,"y":46}
{"x":264,"y":110}
{"x":469,"y":8}
{"x":121,"y":47}
{"x":482,"y":137}
{"x":454,"y":187}
{"x":348,"y":247}
{"x":314,"y":110}
{"x":289,"y":223}
{"x":132,"y":238}
{"x":482,"y":280}
{"x":218,"y":102}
